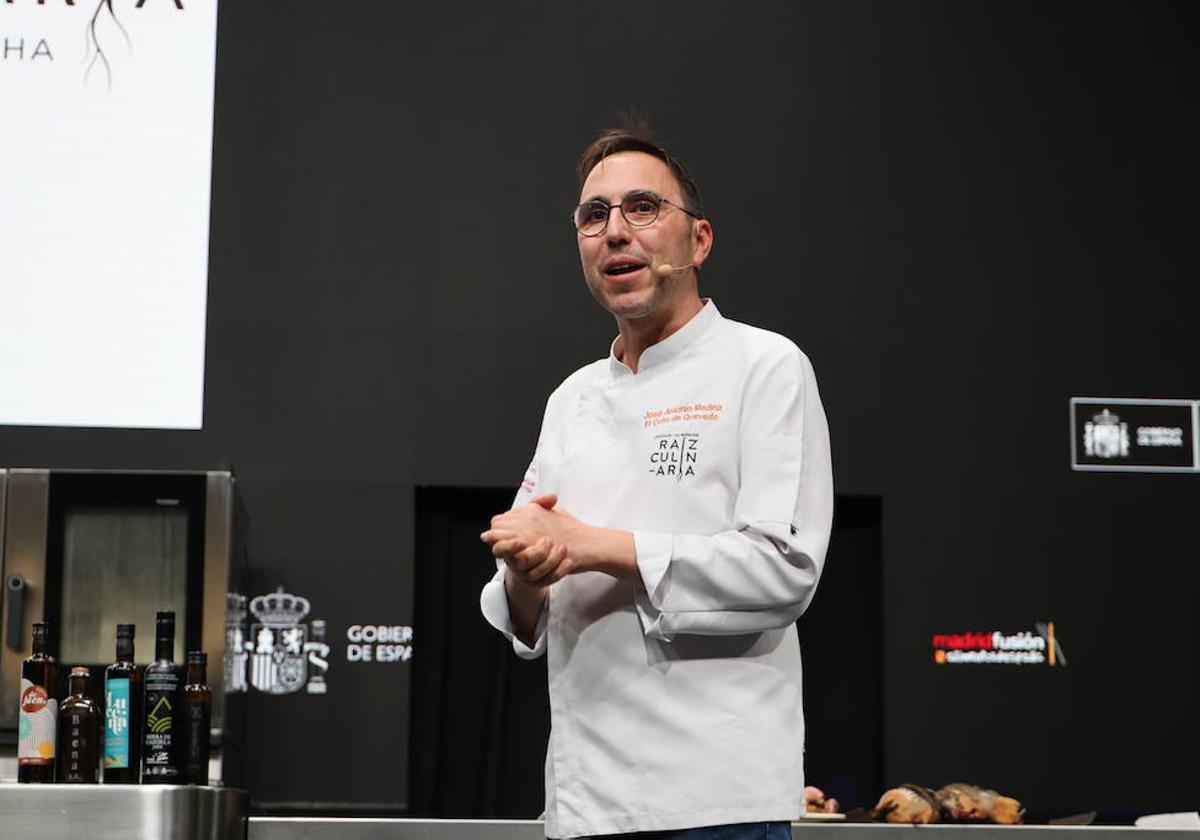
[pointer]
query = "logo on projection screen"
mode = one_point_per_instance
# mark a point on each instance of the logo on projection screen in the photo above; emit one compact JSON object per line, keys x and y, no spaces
{"x":994,"y":647}
{"x":103,"y":32}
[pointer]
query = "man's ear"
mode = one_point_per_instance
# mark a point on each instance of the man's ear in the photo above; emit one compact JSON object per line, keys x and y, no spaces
{"x":702,"y":241}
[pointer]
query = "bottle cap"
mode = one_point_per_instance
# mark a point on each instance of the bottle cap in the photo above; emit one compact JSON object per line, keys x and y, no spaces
{"x":125,"y":631}
{"x":80,"y":671}
{"x":197,"y":657}
{"x":164,"y":623}
{"x":41,"y":631}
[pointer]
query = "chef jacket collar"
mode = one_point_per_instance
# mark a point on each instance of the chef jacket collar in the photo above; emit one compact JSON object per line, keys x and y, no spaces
{"x":669,"y":347}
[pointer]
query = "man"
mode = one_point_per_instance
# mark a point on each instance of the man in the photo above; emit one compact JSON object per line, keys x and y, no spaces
{"x":670,"y":530}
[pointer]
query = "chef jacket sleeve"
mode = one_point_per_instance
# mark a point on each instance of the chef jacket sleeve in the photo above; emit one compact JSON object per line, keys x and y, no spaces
{"x":493,"y":601}
{"x":760,"y":574}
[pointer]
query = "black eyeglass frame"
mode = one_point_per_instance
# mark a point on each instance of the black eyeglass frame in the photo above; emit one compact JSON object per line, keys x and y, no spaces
{"x":595,"y":202}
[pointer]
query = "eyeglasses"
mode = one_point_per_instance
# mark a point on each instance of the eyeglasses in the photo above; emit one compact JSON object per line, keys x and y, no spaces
{"x":639,"y":209}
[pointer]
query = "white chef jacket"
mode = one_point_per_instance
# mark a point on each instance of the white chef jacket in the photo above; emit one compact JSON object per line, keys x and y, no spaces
{"x":679,"y":705}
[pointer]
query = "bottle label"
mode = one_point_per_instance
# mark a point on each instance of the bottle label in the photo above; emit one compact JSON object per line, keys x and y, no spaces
{"x":195,"y":742}
{"x":161,"y":692}
{"x":80,"y":734}
{"x":39,"y":716}
{"x":116,"y":723}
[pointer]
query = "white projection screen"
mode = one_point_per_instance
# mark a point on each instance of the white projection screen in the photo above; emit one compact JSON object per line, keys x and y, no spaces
{"x":106,"y":111}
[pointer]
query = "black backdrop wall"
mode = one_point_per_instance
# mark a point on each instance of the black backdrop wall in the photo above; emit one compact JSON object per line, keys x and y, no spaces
{"x":965,"y":213}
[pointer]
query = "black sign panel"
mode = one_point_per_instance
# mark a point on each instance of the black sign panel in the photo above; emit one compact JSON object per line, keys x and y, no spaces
{"x":1136,"y":435}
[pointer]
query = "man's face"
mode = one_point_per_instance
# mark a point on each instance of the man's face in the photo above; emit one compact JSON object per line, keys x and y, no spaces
{"x":621,"y":264}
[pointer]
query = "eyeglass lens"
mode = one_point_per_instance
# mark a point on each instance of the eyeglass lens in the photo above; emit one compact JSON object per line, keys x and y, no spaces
{"x":639,"y":209}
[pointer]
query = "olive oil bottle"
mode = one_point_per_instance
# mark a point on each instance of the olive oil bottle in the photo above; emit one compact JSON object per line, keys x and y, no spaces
{"x":160,"y":762}
{"x":123,"y":713}
{"x":195,"y":717}
{"x":78,"y":754}
{"x":38,"y":711}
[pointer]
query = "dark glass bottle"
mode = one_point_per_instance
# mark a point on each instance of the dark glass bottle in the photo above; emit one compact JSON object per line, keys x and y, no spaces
{"x":79,"y":734}
{"x":123,"y":713}
{"x":160,"y":763}
{"x":39,"y":711}
{"x":195,"y":716}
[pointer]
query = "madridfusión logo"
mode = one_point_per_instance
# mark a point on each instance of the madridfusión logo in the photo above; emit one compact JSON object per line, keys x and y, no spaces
{"x":1041,"y":646}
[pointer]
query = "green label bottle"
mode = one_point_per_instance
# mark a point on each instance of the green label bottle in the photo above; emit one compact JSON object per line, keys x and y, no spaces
{"x":160,"y":762}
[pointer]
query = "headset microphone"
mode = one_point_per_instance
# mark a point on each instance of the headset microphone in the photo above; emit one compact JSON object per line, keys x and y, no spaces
{"x":667,"y":269}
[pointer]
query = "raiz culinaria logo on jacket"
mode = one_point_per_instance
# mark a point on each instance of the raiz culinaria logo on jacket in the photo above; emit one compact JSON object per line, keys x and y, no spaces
{"x":675,"y":455}
{"x":675,"y":451}
{"x":996,"y":647}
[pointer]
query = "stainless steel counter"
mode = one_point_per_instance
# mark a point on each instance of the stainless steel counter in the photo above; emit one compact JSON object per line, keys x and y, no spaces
{"x":306,"y":828}
{"x":166,"y":812}
{"x":121,"y":812}
{"x":301,"y":828}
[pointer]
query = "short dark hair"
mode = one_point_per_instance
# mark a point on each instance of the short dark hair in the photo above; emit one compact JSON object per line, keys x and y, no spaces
{"x":635,"y":136}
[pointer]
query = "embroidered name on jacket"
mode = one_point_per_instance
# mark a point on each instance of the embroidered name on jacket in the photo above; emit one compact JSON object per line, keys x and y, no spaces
{"x":693,"y":412}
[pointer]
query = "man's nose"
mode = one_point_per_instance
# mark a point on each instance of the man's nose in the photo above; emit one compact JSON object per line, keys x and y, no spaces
{"x":617,"y":231}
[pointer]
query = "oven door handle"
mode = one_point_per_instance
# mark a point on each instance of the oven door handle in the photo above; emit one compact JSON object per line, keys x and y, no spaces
{"x":14,"y":593}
